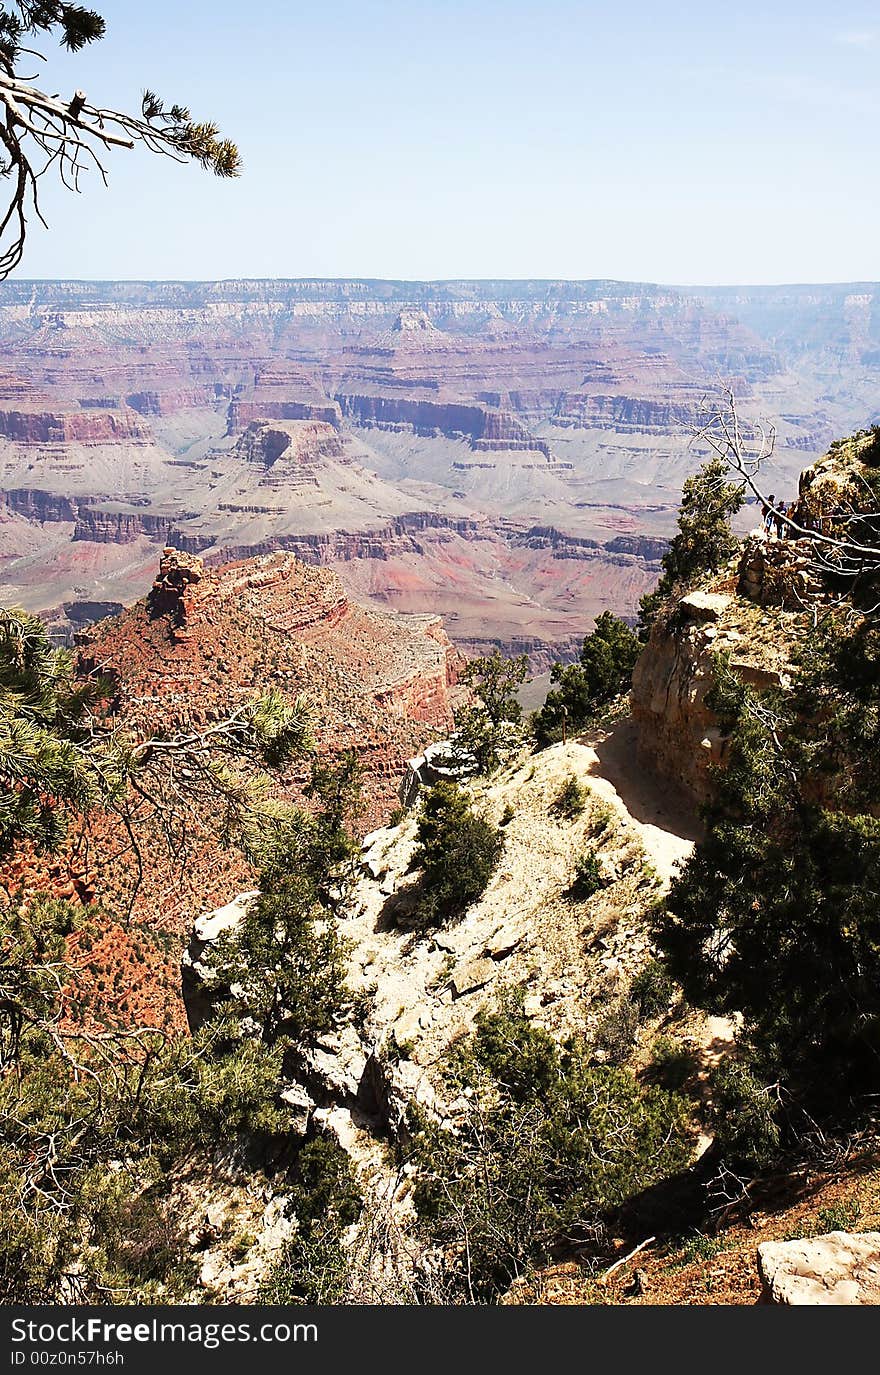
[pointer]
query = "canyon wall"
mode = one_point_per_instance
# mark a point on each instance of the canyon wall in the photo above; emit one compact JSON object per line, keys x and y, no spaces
{"x":508,"y":455}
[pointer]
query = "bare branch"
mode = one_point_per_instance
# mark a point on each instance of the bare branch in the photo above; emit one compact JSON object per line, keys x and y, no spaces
{"x":745,"y":451}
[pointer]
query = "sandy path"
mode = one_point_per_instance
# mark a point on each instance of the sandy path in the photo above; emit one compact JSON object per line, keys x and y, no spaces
{"x":664,"y":817}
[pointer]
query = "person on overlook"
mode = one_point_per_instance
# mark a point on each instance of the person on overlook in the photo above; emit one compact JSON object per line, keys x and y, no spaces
{"x":768,"y":515}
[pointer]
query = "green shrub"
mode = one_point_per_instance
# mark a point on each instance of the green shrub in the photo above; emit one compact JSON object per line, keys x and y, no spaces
{"x":517,"y":1055}
{"x":570,"y":800}
{"x":698,"y":1246}
{"x":614,"y":1034}
{"x":672,"y":1064}
{"x":457,"y":852}
{"x":283,"y":965}
{"x":744,"y":1114}
{"x":601,"y":819}
{"x":652,"y":989}
{"x":870,"y":455}
{"x":839,"y":1217}
{"x":588,"y":878}
{"x":325,"y":1200}
{"x":549,"y":1147}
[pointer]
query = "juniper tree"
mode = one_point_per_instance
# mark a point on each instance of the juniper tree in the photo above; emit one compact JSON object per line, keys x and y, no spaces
{"x":603,"y":669}
{"x":284,"y":964}
{"x":776,"y":915}
{"x":71,"y":133}
{"x":487,"y":728}
{"x":457,"y":852}
{"x":704,"y":541}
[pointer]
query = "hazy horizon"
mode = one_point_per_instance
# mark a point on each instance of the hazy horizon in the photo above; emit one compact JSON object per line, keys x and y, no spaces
{"x":23,"y":280}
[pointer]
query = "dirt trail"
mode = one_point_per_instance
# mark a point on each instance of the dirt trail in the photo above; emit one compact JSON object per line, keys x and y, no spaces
{"x":665,"y":818}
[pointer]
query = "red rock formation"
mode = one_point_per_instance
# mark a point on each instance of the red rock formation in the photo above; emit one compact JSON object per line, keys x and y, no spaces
{"x":206,"y":638}
{"x":83,"y":427}
{"x":300,"y":444}
{"x":242,"y":413}
{"x":201,"y":643}
{"x":483,"y":427}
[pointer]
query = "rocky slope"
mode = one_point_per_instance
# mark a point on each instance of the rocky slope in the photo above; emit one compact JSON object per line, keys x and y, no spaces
{"x":416,"y":996}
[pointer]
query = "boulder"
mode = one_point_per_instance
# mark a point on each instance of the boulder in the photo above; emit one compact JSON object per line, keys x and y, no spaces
{"x":334,"y":1066}
{"x":443,"y":760}
{"x":301,"y":1105}
{"x":705,"y":606}
{"x":387,"y":1089}
{"x":503,"y":942}
{"x":199,"y":987}
{"x":467,"y":978}
{"x":838,"y":1268}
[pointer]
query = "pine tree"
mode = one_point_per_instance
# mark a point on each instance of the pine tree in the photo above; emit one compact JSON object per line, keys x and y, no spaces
{"x":488,"y":728}
{"x":603,"y":669}
{"x":704,"y":541}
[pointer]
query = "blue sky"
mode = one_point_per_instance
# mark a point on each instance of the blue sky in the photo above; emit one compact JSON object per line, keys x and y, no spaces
{"x":674,"y":142}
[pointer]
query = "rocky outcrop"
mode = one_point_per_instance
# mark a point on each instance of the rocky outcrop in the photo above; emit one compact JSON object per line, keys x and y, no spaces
{"x":94,"y":522}
{"x":243,"y":413}
{"x":100,"y":526}
{"x":483,"y":427}
{"x":633,"y":414}
{"x":167,"y":401}
{"x":679,"y":736}
{"x":37,"y":505}
{"x":199,"y":988}
{"x":640,"y":546}
{"x":299,"y":444}
{"x":753,"y":612}
{"x":208,"y":638}
{"x":840,"y":1268}
{"x":77,"y":427}
{"x":383,"y":542}
{"x":170,"y":595}
{"x":443,"y":761}
{"x":678,"y":733}
{"x":779,"y":572}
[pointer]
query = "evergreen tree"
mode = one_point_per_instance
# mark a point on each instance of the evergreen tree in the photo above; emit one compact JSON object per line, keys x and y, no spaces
{"x":457,"y":853}
{"x":777,"y":913}
{"x":49,"y":762}
{"x":487,"y":729}
{"x":284,"y":966}
{"x":603,"y":670}
{"x":704,"y":541}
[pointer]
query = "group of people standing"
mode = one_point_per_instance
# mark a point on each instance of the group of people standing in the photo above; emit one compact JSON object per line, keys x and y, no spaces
{"x":775,"y":516}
